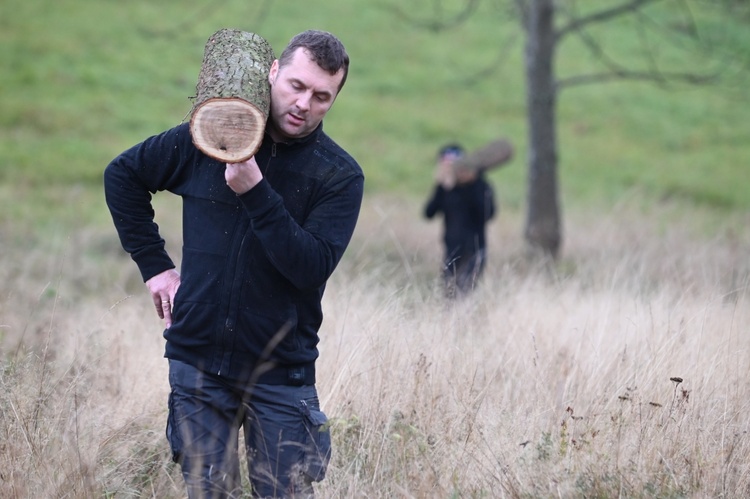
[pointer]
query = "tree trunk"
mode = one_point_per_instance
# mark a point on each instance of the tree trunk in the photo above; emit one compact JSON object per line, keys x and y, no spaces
{"x":233,"y":96}
{"x":542,"y":230}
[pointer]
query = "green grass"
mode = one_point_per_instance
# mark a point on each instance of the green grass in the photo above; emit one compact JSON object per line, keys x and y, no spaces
{"x":81,"y":81}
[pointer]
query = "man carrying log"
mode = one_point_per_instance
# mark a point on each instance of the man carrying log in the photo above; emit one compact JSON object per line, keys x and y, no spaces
{"x":466,"y":201}
{"x":260,"y":239}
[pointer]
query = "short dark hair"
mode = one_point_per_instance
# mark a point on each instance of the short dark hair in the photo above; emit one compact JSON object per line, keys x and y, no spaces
{"x":324,"y":48}
{"x":452,"y":149}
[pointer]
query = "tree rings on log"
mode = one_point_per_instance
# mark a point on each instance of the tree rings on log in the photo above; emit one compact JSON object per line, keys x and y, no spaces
{"x":233,"y":96}
{"x":228,"y":129}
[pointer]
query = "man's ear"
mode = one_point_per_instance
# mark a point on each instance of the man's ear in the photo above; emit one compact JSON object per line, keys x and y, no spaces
{"x":273,"y":71}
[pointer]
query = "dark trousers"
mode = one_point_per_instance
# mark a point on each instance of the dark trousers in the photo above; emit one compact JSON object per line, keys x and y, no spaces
{"x":286,"y":442}
{"x":461,"y":273}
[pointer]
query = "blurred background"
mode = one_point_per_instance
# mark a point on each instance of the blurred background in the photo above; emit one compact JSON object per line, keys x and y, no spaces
{"x":81,"y":81}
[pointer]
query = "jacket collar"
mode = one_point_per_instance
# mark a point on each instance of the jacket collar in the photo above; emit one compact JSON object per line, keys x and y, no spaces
{"x":307,"y":139}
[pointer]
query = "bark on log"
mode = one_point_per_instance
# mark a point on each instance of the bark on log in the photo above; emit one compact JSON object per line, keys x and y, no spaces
{"x":233,"y":96}
{"x":488,"y":157}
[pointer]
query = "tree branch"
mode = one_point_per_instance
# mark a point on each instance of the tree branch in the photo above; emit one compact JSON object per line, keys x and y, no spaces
{"x":601,"y":16}
{"x":616,"y":71}
{"x":624,"y":74}
{"x":202,"y":12}
{"x":501,"y":57}
{"x":523,"y":12}
{"x":437,"y":25}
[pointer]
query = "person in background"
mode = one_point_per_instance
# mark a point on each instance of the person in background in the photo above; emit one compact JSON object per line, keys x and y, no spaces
{"x":260,"y":240}
{"x":466,"y":202}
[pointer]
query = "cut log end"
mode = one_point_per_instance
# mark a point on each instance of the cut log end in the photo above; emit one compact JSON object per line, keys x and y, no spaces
{"x":228,"y":129}
{"x":496,"y":153}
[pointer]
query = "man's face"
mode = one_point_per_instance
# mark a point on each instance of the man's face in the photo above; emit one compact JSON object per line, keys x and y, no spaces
{"x":301,"y":95}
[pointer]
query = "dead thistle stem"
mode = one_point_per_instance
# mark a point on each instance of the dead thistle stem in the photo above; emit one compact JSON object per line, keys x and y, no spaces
{"x":676,"y":380}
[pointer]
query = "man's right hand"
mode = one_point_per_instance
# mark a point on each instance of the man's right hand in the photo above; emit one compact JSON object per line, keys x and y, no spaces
{"x":241,"y":177}
{"x":445,"y":174}
{"x":163,"y":287}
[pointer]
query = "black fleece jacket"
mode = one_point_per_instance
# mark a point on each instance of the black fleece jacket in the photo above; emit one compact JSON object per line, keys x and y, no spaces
{"x":466,"y":210}
{"x":254,"y":266}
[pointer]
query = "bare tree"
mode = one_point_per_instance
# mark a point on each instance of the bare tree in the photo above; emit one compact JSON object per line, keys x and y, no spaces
{"x":546,"y":23}
{"x":543,"y":229}
{"x":543,"y":221}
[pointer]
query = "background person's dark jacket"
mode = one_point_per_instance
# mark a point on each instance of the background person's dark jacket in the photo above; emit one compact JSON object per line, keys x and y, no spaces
{"x":254,"y":266}
{"x":466,"y":210}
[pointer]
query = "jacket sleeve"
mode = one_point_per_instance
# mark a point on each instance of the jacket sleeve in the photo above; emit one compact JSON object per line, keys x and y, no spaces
{"x":129,"y":182}
{"x":488,"y":198}
{"x":435,"y":203}
{"x":306,"y":254}
{"x":479,"y":199}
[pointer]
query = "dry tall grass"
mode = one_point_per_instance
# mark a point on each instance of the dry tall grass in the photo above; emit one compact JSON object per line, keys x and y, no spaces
{"x":620,"y":371}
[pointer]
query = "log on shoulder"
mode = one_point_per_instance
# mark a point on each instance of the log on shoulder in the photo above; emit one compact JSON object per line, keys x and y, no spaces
{"x":492,"y":155}
{"x":233,"y":96}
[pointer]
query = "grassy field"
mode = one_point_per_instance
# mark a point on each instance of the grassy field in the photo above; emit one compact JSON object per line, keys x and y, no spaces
{"x":547,"y":382}
{"x":621,"y":370}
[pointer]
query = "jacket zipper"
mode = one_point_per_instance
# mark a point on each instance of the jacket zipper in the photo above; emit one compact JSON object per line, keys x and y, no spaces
{"x":242,"y":245}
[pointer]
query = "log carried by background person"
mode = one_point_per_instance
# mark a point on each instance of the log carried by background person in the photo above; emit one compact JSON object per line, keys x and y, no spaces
{"x":492,"y":155}
{"x":233,"y":96}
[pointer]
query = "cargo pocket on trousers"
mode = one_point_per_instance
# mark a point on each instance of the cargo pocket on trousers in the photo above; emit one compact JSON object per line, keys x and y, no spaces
{"x":173,"y":436}
{"x":318,"y":448}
